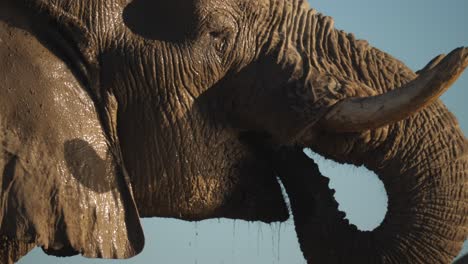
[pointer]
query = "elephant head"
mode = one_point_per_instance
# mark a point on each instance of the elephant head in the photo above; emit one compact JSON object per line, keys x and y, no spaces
{"x":180,"y":93}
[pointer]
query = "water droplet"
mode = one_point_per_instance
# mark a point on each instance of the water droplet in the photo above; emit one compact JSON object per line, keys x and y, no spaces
{"x":279,"y":242}
{"x":259,"y":238}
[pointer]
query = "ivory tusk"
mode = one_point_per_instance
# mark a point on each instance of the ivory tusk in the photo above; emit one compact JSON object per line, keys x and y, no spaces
{"x":363,"y":113}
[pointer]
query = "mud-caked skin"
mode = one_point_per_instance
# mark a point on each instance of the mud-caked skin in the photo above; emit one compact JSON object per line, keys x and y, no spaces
{"x":116,"y":109}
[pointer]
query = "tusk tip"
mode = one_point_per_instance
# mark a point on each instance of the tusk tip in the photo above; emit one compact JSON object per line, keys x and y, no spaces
{"x":460,"y":54}
{"x":452,"y":65}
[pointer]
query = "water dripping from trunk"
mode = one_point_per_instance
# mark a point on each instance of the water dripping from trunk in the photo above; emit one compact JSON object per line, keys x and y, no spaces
{"x":234,"y":241}
{"x":196,"y":232}
{"x":279,"y":241}
{"x":259,"y":238}
{"x":275,"y":242}
{"x":196,"y":241}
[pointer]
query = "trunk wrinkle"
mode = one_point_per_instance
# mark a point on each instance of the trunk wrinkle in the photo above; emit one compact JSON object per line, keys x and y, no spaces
{"x":426,"y":221}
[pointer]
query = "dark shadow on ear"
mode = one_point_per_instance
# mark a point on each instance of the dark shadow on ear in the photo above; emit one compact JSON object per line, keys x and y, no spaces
{"x":161,"y":20}
{"x":87,"y":167}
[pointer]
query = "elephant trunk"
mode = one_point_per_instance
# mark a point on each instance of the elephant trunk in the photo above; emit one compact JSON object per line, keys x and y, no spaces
{"x":424,"y":167}
{"x":414,"y":145}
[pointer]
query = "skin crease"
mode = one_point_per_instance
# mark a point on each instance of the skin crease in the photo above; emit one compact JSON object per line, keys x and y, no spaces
{"x":215,"y":205}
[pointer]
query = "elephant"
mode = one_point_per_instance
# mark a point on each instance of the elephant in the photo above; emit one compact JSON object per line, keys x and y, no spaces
{"x":190,"y":109}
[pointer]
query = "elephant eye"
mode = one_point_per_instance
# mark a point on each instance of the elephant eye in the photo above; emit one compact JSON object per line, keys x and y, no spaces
{"x":216,"y":34}
{"x":220,"y":39}
{"x":221,"y":29}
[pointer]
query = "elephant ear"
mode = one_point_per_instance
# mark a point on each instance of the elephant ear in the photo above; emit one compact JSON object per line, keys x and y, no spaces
{"x":63,"y":185}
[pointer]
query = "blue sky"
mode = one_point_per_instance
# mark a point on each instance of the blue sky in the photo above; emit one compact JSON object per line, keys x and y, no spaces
{"x":413,"y":31}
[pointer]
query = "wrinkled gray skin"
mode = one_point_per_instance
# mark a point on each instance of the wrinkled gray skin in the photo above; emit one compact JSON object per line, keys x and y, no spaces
{"x":112,"y":110}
